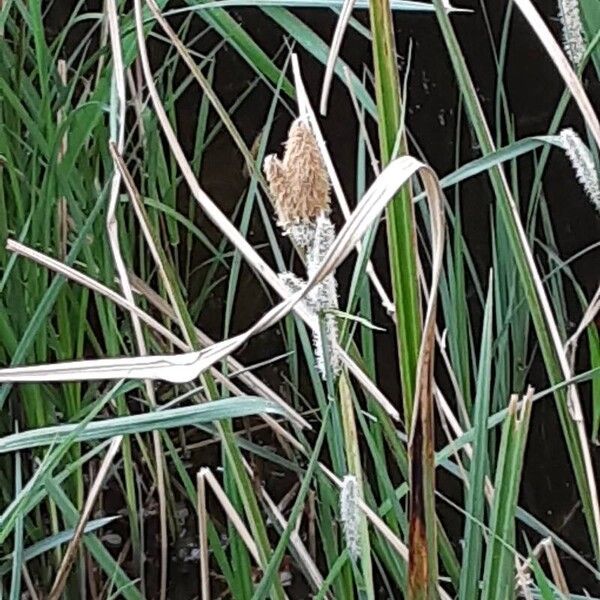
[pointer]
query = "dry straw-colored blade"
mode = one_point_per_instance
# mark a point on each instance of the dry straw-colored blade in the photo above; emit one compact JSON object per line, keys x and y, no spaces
{"x":112,"y":228}
{"x":71,"y":552}
{"x":259,"y":387}
{"x":302,"y":554}
{"x":186,"y":367}
{"x":334,"y":50}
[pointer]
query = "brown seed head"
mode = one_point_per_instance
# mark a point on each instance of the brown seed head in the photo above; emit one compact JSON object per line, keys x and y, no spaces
{"x":299,"y":182}
{"x":278,"y":184}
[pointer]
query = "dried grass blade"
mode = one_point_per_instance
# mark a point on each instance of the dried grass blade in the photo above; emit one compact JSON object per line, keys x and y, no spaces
{"x":203,"y":537}
{"x":334,"y":50}
{"x":112,"y":228}
{"x":230,"y":511}
{"x":422,"y":573}
{"x":185,"y":367}
{"x":81,"y":278}
{"x":70,"y":554}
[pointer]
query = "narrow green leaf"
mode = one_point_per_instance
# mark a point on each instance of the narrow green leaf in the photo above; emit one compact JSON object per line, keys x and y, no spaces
{"x":498,"y":577}
{"x":106,"y":562}
{"x":272,"y":569}
{"x":51,"y":542}
{"x":228,"y":408}
{"x":17,"y":554}
{"x":475,"y":497}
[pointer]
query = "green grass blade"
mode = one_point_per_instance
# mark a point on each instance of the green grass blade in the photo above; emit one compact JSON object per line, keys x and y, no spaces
{"x":475,"y":497}
{"x":51,"y":542}
{"x":399,"y":214}
{"x":498,"y":577}
{"x":228,"y":408}
{"x":17,"y":554}
{"x":106,"y":562}
{"x":529,"y":279}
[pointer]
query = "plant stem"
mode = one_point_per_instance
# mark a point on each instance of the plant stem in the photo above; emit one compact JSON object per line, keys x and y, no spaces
{"x":400,"y":217}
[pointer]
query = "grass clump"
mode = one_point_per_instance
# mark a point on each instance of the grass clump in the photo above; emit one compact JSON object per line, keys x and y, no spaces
{"x":362,"y":427}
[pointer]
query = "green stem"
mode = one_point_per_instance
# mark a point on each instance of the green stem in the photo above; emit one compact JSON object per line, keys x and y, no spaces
{"x":400,"y":217}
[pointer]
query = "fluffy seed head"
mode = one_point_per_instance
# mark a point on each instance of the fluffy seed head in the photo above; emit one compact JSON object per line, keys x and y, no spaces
{"x":329,"y":343}
{"x":292,"y":282}
{"x":583,"y":164}
{"x":302,"y":234}
{"x":278,"y":184}
{"x":350,"y":516}
{"x":323,"y":297}
{"x":573,"y":40}
{"x":324,"y":236}
{"x":299,"y":183}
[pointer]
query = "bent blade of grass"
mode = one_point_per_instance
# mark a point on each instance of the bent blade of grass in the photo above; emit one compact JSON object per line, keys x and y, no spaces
{"x":228,"y":408}
{"x":423,"y":548}
{"x":185,"y":367}
{"x":495,"y":158}
{"x":260,"y":388}
{"x":51,"y":542}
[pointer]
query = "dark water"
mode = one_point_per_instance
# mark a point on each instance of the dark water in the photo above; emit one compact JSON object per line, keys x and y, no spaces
{"x":533,"y":89}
